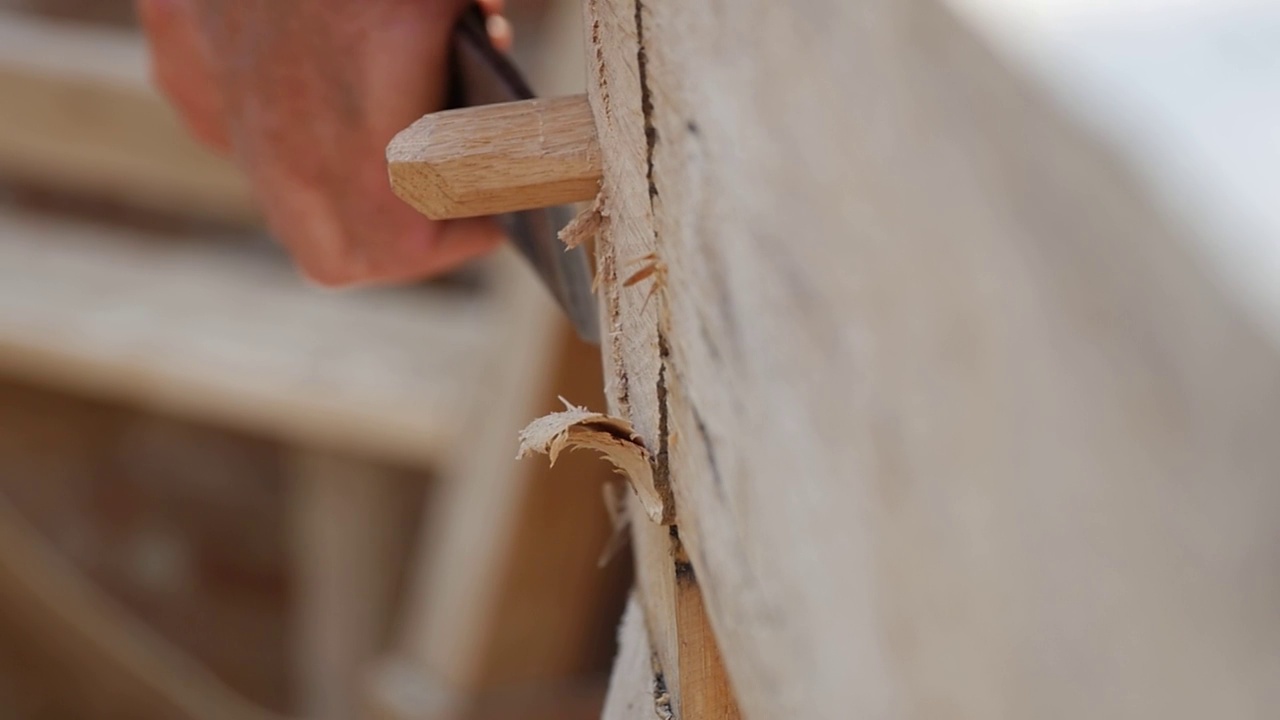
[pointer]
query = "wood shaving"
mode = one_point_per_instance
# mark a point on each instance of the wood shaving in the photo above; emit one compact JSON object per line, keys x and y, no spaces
{"x":614,"y":438}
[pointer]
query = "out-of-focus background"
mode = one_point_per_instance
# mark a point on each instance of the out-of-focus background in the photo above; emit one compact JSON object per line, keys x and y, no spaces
{"x":225,"y":494}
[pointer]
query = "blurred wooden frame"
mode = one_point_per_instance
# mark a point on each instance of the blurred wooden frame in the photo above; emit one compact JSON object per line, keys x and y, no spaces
{"x":80,"y":114}
{"x":502,"y":359}
{"x":504,"y":592}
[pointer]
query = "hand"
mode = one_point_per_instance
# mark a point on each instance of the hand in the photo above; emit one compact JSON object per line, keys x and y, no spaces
{"x":305,"y":95}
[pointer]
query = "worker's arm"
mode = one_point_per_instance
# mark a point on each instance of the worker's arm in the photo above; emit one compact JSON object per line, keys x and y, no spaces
{"x":305,"y":95}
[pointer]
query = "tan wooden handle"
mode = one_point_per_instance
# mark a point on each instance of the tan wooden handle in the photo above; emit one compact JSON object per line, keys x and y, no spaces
{"x":500,"y":158}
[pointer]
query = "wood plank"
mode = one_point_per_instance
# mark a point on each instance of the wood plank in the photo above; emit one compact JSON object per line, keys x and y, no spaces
{"x":498,"y":158}
{"x":635,"y":361}
{"x":350,"y":529}
{"x":960,"y":421}
{"x":632,"y":686}
{"x":632,"y":359}
{"x":684,"y":645}
{"x":102,"y":651}
{"x":222,"y":332}
{"x":80,"y":115}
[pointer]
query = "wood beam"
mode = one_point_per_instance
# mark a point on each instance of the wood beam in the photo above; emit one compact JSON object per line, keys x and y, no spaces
{"x":959,"y":419}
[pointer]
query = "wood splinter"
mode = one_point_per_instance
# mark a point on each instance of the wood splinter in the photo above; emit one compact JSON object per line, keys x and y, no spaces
{"x":613,"y":438}
{"x":501,"y":158}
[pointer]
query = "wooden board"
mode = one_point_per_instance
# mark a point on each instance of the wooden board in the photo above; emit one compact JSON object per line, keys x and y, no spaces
{"x":80,"y":115}
{"x":221,"y":332}
{"x":631,"y":276}
{"x":686,"y":653}
{"x":632,"y":686}
{"x":960,"y":421}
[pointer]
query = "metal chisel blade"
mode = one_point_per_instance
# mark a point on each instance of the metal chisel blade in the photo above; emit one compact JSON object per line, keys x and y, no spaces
{"x":483,"y":75}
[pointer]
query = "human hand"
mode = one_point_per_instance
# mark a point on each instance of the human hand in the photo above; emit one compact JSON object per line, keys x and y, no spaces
{"x":305,"y":95}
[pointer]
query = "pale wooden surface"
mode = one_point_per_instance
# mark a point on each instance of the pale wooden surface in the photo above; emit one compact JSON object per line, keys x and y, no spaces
{"x":614,"y":90}
{"x":498,"y":158}
{"x":961,"y":423}
{"x":219,"y":332}
{"x":632,"y":685}
{"x":80,"y":114}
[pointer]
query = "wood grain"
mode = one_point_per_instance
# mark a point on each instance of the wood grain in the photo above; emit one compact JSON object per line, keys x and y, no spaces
{"x":497,"y":158}
{"x":218,"y":331}
{"x":960,"y":423}
{"x":635,"y":378}
{"x":687,"y":653}
{"x":632,"y":358}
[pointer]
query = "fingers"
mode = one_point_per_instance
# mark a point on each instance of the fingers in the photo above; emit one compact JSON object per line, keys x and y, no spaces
{"x":182,"y":68}
{"x":359,"y":233}
{"x":310,"y":94}
{"x":312,"y":128}
{"x":500,"y":32}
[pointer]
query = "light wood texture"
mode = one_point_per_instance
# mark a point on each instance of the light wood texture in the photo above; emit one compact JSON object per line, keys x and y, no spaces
{"x":80,"y":115}
{"x":961,"y":422}
{"x":692,"y":670}
{"x":225,"y":333}
{"x":632,"y":383}
{"x":635,"y":377}
{"x":349,"y":528}
{"x":632,"y":685}
{"x":498,"y":158}
{"x":102,"y":652}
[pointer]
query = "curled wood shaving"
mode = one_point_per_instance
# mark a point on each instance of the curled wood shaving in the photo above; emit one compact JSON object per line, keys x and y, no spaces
{"x":612,"y":437}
